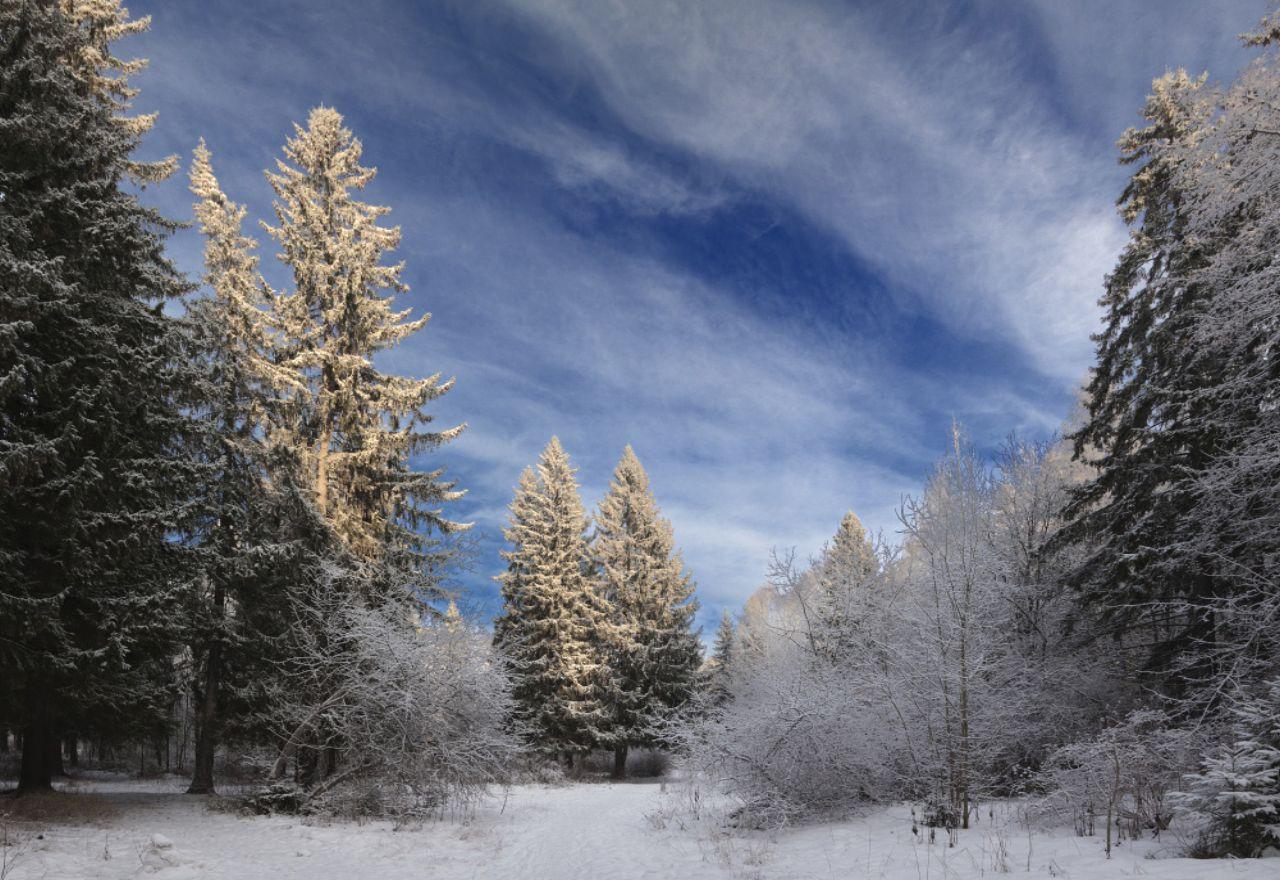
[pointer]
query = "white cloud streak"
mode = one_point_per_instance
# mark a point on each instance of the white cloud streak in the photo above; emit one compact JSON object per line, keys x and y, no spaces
{"x":925,"y":152}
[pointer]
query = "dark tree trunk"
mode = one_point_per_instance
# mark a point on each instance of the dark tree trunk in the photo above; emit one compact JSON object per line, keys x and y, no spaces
{"x":207,"y":711}
{"x":36,"y":773}
{"x":308,"y":766}
{"x":71,"y":747}
{"x":54,"y":746}
{"x":4,"y":740}
{"x":620,"y":762}
{"x":184,"y":732}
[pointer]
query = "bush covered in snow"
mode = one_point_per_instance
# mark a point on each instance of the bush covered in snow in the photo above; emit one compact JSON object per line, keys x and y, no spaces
{"x":1118,"y":782}
{"x":422,"y":708}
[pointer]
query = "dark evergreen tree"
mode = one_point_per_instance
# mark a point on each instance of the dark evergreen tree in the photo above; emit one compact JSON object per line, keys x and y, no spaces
{"x":242,"y":552}
{"x":1145,"y":429}
{"x":92,"y":482}
{"x":720,"y":666}
{"x":1231,"y":178}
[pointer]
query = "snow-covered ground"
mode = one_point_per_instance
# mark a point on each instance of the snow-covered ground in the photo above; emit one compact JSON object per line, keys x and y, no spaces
{"x":590,"y":831}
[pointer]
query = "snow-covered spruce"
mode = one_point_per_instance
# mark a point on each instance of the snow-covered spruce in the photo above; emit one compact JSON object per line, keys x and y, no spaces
{"x":553,"y":628}
{"x":1237,"y":789}
{"x":92,"y":478}
{"x":355,"y":426}
{"x":719,"y":667}
{"x":1144,"y":430}
{"x":652,"y":652}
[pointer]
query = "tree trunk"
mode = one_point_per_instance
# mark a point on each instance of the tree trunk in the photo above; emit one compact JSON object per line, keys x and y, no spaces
{"x":307,"y":772}
{"x":36,"y":773}
{"x":54,"y":746}
{"x":183,"y":733}
{"x":620,"y":762}
{"x":71,"y":746}
{"x":207,"y":712}
{"x":322,"y":471}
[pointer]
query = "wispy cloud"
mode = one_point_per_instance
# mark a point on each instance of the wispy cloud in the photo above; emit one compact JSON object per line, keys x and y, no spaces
{"x":775,"y":246}
{"x":934,"y":161}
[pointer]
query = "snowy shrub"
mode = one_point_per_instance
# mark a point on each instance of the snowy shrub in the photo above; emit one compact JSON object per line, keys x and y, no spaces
{"x":797,"y":741}
{"x":536,"y":769}
{"x":278,"y":797}
{"x":423,"y":708}
{"x":1121,"y":779}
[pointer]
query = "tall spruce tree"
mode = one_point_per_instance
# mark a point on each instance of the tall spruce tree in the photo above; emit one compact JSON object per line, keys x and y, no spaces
{"x":1144,"y":431}
{"x":92,"y":485}
{"x":654,"y":654}
{"x":553,"y":622}
{"x":242,"y":551}
{"x":356,"y":426}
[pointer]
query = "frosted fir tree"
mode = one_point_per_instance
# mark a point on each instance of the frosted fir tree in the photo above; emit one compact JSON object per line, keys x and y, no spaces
{"x":850,"y":560}
{"x":522,"y":523}
{"x":92,"y":482}
{"x":845,"y":572}
{"x":1260,"y":715}
{"x":356,"y":427}
{"x":553,"y":621}
{"x":101,"y":24}
{"x":452,"y":617}
{"x":234,"y":319}
{"x":654,"y":654}
{"x":1238,"y":787}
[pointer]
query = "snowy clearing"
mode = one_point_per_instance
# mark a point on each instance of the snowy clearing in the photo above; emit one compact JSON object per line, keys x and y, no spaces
{"x":149,"y":828}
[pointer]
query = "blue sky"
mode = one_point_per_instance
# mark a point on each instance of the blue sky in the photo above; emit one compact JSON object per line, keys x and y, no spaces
{"x":776,"y":246}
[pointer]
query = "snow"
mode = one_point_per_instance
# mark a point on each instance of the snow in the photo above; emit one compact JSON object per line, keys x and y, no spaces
{"x":587,"y":831}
